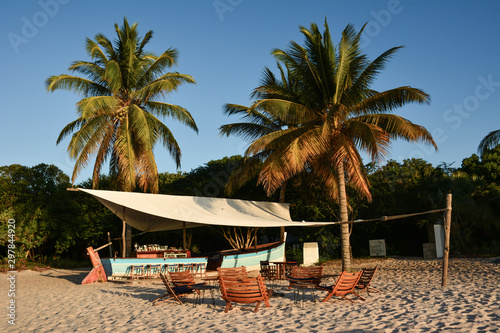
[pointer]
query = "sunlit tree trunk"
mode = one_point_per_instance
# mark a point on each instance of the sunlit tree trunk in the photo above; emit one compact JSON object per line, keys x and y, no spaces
{"x":344,"y":217}
{"x":282,"y":200}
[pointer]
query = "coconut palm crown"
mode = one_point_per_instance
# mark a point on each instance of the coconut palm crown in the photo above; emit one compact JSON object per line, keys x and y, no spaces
{"x":490,"y":141}
{"x":333,"y":115}
{"x":118,"y":116}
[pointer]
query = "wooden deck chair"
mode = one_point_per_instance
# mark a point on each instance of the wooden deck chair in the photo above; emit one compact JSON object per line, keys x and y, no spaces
{"x":182,"y":278}
{"x":345,"y":285}
{"x":233,"y":273}
{"x":173,"y":292}
{"x":268,"y":271}
{"x":305,"y":275}
{"x":245,"y":290}
{"x":365,"y":280}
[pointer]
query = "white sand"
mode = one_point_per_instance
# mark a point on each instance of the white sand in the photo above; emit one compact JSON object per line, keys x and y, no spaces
{"x":412,"y":301}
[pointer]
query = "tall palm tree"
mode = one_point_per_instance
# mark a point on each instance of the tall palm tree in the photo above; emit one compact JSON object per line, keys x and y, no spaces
{"x":490,"y":141}
{"x":337,"y":116}
{"x":118,"y":114}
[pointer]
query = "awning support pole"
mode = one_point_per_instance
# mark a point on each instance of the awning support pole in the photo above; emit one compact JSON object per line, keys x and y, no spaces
{"x":184,"y":243}
{"x":124,"y":240}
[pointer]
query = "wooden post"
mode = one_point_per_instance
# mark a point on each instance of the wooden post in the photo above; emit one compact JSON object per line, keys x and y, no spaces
{"x":184,"y":243}
{"x":255,"y":238}
{"x":110,"y":246}
{"x":124,"y":239}
{"x":447,"y":225}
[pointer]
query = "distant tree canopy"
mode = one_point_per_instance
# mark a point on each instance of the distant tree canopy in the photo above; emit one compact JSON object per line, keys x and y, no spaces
{"x":486,"y":166}
{"x":50,"y":221}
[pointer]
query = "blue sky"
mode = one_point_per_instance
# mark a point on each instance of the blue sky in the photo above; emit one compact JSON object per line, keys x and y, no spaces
{"x":452,"y":51}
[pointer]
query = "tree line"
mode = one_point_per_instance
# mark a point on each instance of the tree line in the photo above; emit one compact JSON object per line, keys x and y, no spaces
{"x":52,"y":222}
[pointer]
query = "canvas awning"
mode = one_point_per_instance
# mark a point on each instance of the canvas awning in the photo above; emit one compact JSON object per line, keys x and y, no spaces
{"x":157,"y":212}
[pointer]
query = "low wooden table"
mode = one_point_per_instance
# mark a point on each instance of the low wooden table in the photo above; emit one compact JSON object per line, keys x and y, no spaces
{"x":282,"y":267}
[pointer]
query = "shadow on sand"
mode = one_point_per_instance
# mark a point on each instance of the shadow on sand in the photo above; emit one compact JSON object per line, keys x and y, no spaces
{"x":75,"y":276}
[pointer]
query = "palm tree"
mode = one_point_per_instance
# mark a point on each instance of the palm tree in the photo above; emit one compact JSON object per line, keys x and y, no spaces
{"x":490,"y":141}
{"x":117,"y":117}
{"x":337,"y":115}
{"x":118,"y":114}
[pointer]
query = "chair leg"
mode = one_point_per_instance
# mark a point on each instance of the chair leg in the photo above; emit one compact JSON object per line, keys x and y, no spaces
{"x":257,"y":307}
{"x":327,"y":297}
{"x":372,"y":290}
{"x":228,"y":306}
{"x":363,"y":299}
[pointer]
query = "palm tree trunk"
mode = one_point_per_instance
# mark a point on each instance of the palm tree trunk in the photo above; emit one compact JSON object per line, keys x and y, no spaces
{"x":282,"y":200}
{"x":344,"y":217}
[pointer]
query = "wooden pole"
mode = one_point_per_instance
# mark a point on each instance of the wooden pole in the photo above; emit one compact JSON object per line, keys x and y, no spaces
{"x":184,"y":243}
{"x":124,"y":239}
{"x":110,"y":245}
{"x":255,"y":238}
{"x":447,"y":225}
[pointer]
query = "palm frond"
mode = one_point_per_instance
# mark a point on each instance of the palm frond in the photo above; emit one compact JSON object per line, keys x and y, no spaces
{"x":490,"y":141}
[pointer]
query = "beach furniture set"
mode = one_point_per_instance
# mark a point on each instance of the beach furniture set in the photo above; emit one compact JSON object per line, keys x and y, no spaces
{"x":237,"y":287}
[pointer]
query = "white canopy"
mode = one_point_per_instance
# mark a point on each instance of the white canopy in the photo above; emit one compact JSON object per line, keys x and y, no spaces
{"x":156,"y":212}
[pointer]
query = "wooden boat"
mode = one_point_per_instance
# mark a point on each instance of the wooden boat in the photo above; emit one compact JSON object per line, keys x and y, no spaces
{"x":251,"y":257}
{"x":119,"y":268}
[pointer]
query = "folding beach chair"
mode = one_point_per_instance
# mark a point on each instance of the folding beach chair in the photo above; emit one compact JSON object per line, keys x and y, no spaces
{"x":243,"y":290}
{"x":345,"y":285}
{"x":365,"y":280}
{"x":300,"y":275}
{"x":173,"y":292}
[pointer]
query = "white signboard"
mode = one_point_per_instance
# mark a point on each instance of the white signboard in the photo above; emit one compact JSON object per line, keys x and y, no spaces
{"x":377,"y":248}
{"x":311,"y":253}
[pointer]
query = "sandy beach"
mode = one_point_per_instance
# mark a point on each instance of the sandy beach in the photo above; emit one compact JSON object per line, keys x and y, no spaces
{"x":412,"y":301}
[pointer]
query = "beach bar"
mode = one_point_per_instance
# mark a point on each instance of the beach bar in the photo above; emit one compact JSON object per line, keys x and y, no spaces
{"x":158,"y":212}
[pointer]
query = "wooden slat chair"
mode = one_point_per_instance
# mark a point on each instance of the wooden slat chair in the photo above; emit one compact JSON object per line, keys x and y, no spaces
{"x":200,"y":268}
{"x":245,"y":290}
{"x":188,"y":267}
{"x":233,"y":273}
{"x":137,"y":272}
{"x":345,"y":285}
{"x":288,"y":267}
{"x":365,"y":280}
{"x":173,"y":292}
{"x":183,"y":278}
{"x":300,"y":275}
{"x":153,"y":271}
{"x":268,"y":271}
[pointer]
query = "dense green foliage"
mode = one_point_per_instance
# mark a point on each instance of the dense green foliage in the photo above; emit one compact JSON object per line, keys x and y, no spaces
{"x":52,"y":222}
{"x":49,"y":220}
